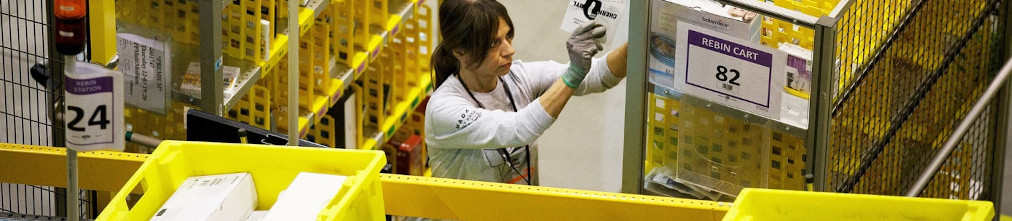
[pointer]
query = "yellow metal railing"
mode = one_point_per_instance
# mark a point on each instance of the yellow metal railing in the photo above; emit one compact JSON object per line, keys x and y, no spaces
{"x":403,"y":195}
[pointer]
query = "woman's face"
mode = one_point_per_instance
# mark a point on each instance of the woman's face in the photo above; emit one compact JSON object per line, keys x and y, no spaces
{"x":500,"y":55}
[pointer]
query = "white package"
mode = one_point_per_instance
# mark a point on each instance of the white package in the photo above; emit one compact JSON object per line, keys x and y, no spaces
{"x":213,"y":197}
{"x":305,"y":197}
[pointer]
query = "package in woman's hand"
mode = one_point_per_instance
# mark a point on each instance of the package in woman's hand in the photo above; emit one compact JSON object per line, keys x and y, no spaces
{"x":606,"y":12}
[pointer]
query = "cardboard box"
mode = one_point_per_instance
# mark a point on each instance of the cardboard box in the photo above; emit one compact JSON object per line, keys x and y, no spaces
{"x":305,"y":197}
{"x":212,"y":197}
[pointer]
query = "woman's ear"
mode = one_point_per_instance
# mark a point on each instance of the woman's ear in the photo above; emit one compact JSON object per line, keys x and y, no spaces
{"x":458,"y":54}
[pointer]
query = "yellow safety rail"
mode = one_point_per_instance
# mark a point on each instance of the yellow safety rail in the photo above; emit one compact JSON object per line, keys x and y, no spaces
{"x":402,"y":195}
{"x":473,"y":200}
{"x":47,"y":166}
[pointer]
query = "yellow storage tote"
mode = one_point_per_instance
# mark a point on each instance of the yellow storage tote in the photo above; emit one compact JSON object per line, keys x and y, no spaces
{"x":767,"y":204}
{"x":272,"y":168}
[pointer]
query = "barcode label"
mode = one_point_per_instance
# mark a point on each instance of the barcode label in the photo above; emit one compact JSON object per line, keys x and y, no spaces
{"x":727,"y":86}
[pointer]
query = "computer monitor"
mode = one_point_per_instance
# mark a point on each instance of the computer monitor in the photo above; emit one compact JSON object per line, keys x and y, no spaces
{"x":202,"y":126}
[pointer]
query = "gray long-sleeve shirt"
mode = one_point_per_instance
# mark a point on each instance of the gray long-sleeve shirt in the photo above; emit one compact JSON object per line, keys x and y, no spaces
{"x":462,"y":137}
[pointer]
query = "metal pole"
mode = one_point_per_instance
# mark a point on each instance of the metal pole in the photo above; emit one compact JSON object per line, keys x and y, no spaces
{"x":950,"y":144}
{"x":636,"y":92}
{"x":293,"y":73}
{"x":818,"y":137}
{"x":211,"y":91}
{"x":73,"y":206}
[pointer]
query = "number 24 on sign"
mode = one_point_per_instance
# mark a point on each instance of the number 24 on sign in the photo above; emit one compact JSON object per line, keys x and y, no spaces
{"x":99,"y":117}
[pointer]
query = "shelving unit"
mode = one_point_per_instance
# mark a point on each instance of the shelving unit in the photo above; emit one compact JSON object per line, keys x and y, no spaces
{"x":350,"y":49}
{"x":883,"y":100}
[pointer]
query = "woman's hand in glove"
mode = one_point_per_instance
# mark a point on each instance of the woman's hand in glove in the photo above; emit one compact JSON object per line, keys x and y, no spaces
{"x":582,"y":46}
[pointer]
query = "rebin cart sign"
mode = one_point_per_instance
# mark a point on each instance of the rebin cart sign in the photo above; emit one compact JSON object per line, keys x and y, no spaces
{"x":729,"y":71}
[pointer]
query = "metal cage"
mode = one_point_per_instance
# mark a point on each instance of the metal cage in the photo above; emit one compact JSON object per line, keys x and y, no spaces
{"x":891,"y":81}
{"x":891,"y":115}
{"x":30,"y":85}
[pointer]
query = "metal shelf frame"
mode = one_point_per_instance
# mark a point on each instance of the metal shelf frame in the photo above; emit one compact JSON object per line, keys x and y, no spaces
{"x":907,"y":127}
{"x":638,"y":85}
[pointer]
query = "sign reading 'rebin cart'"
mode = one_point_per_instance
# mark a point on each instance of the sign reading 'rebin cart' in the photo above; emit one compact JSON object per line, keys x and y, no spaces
{"x":729,"y":71}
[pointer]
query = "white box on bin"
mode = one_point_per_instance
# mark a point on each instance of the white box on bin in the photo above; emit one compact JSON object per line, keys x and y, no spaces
{"x":212,"y":197}
{"x":305,"y":197}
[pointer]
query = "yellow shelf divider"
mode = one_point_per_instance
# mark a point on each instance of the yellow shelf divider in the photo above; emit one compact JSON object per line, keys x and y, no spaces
{"x":400,"y":113}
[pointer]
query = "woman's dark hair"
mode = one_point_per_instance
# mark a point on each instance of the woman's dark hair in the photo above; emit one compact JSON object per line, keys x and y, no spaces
{"x":469,"y":27}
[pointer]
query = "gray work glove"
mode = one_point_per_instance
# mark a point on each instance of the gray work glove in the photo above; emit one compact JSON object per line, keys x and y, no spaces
{"x":582,"y":45}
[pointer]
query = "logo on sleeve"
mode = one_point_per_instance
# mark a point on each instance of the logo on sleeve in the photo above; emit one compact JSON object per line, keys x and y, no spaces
{"x":468,"y":117}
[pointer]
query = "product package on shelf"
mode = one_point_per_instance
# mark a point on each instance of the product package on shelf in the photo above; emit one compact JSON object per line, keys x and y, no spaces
{"x":409,"y":156}
{"x":190,"y":84}
{"x":704,"y":13}
{"x":795,"y":106}
{"x":799,"y":70}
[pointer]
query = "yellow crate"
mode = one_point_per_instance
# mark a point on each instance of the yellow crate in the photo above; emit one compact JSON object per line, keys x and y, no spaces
{"x":343,"y":40}
{"x":411,"y":53}
{"x":362,"y":32}
{"x":307,"y":84}
{"x":241,"y":111}
{"x":272,"y":168}
{"x":261,"y":103}
{"x":267,"y":13}
{"x":232,"y":23}
{"x":721,"y":151}
{"x":373,"y":94}
{"x":423,"y":17}
{"x":766,"y":204}
{"x":360,"y":115}
{"x":378,"y":13}
{"x":787,"y":161}
{"x":323,"y":132}
{"x":389,"y":95}
{"x":321,"y":54}
{"x":159,"y":126}
{"x":398,"y":68}
{"x":251,"y":31}
{"x":253,"y":108}
{"x":658,"y":131}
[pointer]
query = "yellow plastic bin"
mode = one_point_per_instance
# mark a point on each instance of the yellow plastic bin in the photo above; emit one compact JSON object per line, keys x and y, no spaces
{"x":272,"y":168}
{"x":766,"y":204}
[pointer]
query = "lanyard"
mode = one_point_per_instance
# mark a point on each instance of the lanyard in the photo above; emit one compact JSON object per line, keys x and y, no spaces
{"x":505,"y":86}
{"x":502,"y":151}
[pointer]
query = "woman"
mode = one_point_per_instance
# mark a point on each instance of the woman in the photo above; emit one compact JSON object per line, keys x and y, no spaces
{"x":487,"y":110}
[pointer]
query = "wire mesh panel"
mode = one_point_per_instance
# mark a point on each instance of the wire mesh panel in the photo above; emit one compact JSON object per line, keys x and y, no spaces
{"x":40,"y":202}
{"x":26,"y":96}
{"x":902,"y":90}
{"x":25,"y":102}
